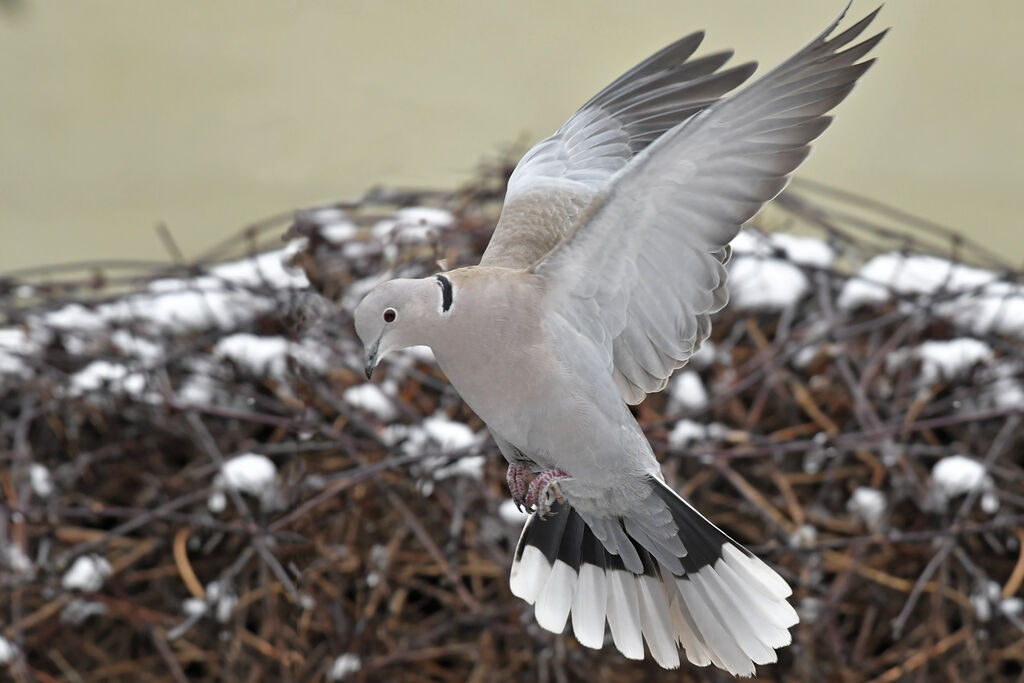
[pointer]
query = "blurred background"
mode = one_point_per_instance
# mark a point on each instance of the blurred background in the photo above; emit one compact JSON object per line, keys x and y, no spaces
{"x":204,"y":116}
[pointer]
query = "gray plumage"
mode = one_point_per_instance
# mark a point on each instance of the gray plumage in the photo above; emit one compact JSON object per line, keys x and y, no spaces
{"x":598,"y":284}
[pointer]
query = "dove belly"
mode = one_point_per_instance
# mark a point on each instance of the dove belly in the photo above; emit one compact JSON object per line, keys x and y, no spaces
{"x":557,"y":415}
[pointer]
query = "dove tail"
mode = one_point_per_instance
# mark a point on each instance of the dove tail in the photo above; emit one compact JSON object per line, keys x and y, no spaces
{"x":717,"y":600}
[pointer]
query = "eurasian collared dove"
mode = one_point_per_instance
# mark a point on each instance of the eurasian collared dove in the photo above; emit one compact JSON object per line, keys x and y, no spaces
{"x":605,"y":265}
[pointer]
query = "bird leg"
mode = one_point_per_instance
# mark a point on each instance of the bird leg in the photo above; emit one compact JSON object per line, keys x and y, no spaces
{"x":516,"y":478}
{"x":544,"y":491}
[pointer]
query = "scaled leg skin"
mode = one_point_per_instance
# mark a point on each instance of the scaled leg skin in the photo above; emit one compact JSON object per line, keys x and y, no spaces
{"x":516,"y":478}
{"x":544,"y":490}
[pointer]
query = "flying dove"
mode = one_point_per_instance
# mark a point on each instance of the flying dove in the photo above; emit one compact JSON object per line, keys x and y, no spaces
{"x":607,"y":261}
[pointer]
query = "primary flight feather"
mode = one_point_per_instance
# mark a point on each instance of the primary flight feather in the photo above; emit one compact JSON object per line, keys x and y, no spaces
{"x":599,"y":282}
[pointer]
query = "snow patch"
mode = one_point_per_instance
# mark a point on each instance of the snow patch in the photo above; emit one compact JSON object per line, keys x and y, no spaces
{"x":261,"y":270}
{"x":136,"y":346}
{"x":371,"y":398}
{"x":686,"y":432}
{"x":808,"y":251}
{"x":223,"y":598}
{"x":42,"y":482}
{"x":15,"y":345}
{"x":957,"y":475}
{"x":974,"y":298}
{"x":8,"y":650}
{"x":868,"y":505}
{"x":260,"y":356}
{"x":249,"y":473}
{"x":511,"y":513}
{"x":414,"y":222}
{"x":74,"y":318}
{"x":762,"y":283}
{"x":686,"y":391}
{"x":448,"y":434}
{"x":343,"y":666}
{"x":943,"y":360}
{"x":78,"y":610}
{"x":471,"y":466}
{"x":101,"y":373}
{"x":87,"y":574}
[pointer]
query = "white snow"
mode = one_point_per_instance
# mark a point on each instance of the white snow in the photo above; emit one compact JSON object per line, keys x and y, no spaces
{"x":908,"y":274}
{"x":686,"y":391}
{"x":704,"y":356}
{"x":268,"y":268}
{"x":219,"y":299}
{"x":957,"y":474}
{"x":998,"y":308}
{"x":1005,"y":391}
{"x":951,"y":358}
{"x":356,"y":250}
{"x":195,"y":306}
{"x":974,"y":298}
{"x":416,"y":221}
{"x":74,"y":317}
{"x":370,"y":397}
{"x":194,"y":607}
{"x":15,"y":557}
{"x":102,"y":373}
{"x":260,"y":356}
{"x":868,"y":505}
{"x":764,"y":283}
{"x":810,"y":609}
{"x":471,"y":466}
{"x":311,"y":355}
{"x":78,"y":610}
{"x":14,"y":345}
{"x":983,"y":597}
{"x":1011,"y":606}
{"x":803,"y":536}
{"x":42,"y":482}
{"x":198,"y":389}
{"x":511,"y":514}
{"x":339,"y":232}
{"x":332,"y":223}
{"x":222,"y":596}
{"x":448,"y":434}
{"x":343,"y":666}
{"x":8,"y":650}
{"x":686,"y":432}
{"x":809,"y":251}
{"x":136,"y":346}
{"x":87,"y":574}
{"x":249,"y":473}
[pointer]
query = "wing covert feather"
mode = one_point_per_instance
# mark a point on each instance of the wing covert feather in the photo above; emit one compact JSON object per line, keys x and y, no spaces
{"x":560,"y":175}
{"x":647,"y":255}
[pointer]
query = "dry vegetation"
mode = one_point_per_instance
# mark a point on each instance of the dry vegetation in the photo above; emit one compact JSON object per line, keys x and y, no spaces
{"x":359,"y":546}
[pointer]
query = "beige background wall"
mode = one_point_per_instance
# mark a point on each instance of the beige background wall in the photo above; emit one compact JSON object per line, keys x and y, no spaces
{"x":205,"y":115}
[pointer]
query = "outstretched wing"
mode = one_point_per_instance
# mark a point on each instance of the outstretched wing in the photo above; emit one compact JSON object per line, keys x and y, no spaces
{"x":560,"y":175}
{"x":644,"y":267}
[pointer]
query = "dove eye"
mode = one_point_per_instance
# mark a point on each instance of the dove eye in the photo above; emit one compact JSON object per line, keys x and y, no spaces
{"x":389,"y":315}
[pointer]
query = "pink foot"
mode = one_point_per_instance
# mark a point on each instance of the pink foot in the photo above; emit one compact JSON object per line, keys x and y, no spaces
{"x":516,"y":478}
{"x":544,"y":491}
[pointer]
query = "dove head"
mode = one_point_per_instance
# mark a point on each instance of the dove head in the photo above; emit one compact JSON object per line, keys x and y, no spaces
{"x":400,"y":313}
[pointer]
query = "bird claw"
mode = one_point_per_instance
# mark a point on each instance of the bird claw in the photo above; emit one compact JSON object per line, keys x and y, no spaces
{"x":544,"y":491}
{"x":516,"y":478}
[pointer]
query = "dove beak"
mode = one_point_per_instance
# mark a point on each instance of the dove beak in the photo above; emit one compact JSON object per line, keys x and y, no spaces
{"x":371,"y":358}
